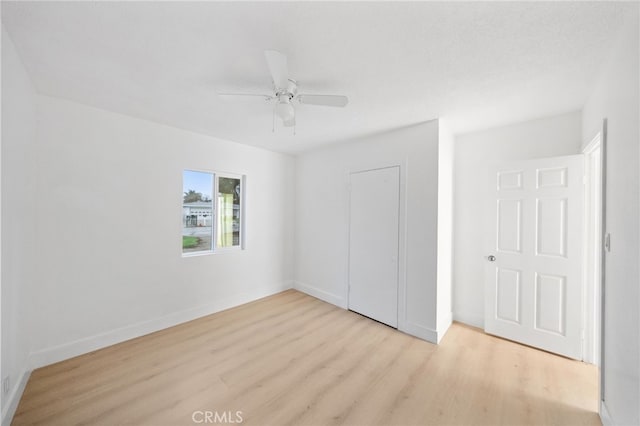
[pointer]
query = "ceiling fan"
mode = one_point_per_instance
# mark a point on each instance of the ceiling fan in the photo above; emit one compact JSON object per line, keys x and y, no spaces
{"x":285,"y":91}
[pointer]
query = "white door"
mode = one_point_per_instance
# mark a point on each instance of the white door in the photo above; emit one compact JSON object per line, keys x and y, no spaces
{"x":533,"y":284}
{"x":373,"y":244}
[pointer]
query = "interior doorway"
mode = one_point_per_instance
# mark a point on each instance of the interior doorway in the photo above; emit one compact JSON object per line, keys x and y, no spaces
{"x":592,"y":264}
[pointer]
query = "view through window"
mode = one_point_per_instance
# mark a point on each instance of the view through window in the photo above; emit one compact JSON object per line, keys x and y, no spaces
{"x":197,"y":211}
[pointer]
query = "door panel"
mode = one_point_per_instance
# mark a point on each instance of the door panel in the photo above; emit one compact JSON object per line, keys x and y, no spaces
{"x":373,"y":244}
{"x":551,"y":227}
{"x":509,"y":225}
{"x":533,"y":290}
{"x":550,"y":303}
{"x":508,"y":295}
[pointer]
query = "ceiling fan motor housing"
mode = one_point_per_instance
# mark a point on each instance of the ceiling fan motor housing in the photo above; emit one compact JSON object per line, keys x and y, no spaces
{"x":290,"y":91}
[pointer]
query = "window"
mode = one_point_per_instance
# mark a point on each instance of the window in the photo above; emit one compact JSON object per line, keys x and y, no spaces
{"x":211,"y":223}
{"x":229,"y":191}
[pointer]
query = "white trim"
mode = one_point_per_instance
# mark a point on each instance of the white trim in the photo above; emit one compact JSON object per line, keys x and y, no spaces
{"x":402,"y":243}
{"x":243,"y":211}
{"x":9,"y":410}
{"x":592,"y":288}
{"x":422,"y":332}
{"x":605,"y":417}
{"x":326,"y":296}
{"x":444,"y":326}
{"x":407,"y":327}
{"x":593,"y":145}
{"x":88,"y":344}
{"x":197,"y":253}
{"x":469,"y":319}
{"x":243,"y":180}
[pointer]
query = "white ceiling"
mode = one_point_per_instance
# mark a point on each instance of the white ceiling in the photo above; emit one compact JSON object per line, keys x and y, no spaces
{"x":476,"y":64}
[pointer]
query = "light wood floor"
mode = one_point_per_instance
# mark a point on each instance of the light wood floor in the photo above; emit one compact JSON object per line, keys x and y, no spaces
{"x":291,"y":359}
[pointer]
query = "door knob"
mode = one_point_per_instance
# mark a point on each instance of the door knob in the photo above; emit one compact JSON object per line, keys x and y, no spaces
{"x":491,"y":258}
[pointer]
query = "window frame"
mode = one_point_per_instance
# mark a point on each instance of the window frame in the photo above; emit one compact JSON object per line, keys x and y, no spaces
{"x":215,"y":248}
{"x":241,"y":226}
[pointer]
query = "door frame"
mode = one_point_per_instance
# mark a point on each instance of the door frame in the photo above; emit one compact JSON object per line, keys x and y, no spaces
{"x":402,"y":233}
{"x":599,"y":141}
{"x":593,"y":253}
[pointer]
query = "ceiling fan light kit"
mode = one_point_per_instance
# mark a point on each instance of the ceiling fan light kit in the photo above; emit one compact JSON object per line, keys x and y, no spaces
{"x":285,"y":91}
{"x":284,"y":109}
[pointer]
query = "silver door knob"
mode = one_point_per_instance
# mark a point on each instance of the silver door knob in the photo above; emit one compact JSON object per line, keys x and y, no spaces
{"x":491,"y":258}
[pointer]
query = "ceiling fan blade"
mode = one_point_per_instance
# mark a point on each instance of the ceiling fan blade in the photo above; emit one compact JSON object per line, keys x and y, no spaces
{"x":290,"y":123}
{"x":324,"y":100}
{"x":277,"y":63}
{"x":241,"y":96}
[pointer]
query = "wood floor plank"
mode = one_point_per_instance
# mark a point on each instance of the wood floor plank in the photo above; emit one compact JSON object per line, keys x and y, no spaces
{"x":291,"y":359}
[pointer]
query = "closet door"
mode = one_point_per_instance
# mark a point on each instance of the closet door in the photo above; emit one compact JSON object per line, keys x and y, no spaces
{"x":373,"y":243}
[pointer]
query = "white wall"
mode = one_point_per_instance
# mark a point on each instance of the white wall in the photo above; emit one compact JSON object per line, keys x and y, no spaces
{"x":109,"y":229}
{"x":616,"y":98}
{"x":445,"y":223}
{"x":19,"y":222}
{"x":91,"y":228}
{"x":322,"y":201}
{"x":474,"y":153}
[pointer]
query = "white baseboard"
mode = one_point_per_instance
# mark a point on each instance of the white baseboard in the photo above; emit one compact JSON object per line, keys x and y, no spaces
{"x":443,"y":326}
{"x":469,"y":319}
{"x":82,"y":346}
{"x":420,"y":331}
{"x":14,"y":398}
{"x":334,"y":299}
{"x":605,"y":417}
{"x":408,"y":327}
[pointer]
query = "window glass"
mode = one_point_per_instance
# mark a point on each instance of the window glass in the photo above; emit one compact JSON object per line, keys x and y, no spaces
{"x":229,"y":217}
{"x":197,"y":211}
